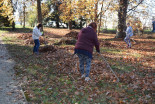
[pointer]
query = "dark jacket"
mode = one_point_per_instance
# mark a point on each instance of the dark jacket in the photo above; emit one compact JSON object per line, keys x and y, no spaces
{"x":87,"y":39}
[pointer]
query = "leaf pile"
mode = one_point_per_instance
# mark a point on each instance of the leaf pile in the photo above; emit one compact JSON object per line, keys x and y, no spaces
{"x":27,"y":37}
{"x":67,"y":41}
{"x":47,"y":48}
{"x":73,"y":34}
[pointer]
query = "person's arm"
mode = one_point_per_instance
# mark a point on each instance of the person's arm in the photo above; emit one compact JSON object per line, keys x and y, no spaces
{"x":131,"y":31}
{"x":128,"y":32}
{"x":37,"y":32}
{"x":96,"y":43}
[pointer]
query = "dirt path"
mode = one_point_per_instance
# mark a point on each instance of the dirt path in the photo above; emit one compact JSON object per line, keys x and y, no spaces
{"x":10,"y":92}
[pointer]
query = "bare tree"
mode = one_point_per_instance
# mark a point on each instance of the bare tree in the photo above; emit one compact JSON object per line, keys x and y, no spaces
{"x":101,"y":14}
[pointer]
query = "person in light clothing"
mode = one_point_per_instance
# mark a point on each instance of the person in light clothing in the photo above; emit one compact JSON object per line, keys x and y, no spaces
{"x":129,"y":33}
{"x":35,"y":36}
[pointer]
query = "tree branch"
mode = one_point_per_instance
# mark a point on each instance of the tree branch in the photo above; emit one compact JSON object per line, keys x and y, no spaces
{"x":135,"y":6}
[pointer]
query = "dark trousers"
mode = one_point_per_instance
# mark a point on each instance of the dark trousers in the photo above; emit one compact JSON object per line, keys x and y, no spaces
{"x":36,"y":46}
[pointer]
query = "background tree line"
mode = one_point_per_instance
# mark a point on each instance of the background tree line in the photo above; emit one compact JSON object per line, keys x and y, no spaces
{"x":74,"y":13}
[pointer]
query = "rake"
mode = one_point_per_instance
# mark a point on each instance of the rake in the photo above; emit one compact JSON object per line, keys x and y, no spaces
{"x":109,"y":67}
{"x":76,"y":67}
{"x":44,"y":37}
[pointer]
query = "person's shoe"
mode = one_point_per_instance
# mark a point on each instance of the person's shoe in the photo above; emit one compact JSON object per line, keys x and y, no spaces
{"x":83,"y":75}
{"x":36,"y":53}
{"x":87,"y":79}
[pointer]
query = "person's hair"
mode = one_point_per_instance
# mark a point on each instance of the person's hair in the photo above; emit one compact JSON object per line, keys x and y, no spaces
{"x":93,"y":25}
{"x":128,"y":23}
{"x":39,"y":25}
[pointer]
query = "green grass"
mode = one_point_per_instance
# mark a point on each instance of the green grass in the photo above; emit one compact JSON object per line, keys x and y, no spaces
{"x":153,"y":47}
{"x":116,"y":51}
{"x":122,"y":68}
{"x":111,"y":50}
{"x":137,"y":55}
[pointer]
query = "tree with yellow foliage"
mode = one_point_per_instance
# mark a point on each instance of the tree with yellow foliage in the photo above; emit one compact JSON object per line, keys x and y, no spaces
{"x":78,"y":9}
{"x":68,"y":11}
{"x":6,"y":12}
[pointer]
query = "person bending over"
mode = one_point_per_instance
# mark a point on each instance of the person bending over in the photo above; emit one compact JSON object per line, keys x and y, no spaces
{"x":87,"y":39}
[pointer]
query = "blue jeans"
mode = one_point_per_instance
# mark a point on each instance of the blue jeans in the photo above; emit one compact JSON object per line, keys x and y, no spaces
{"x":36,"y":46}
{"x":127,"y":40}
{"x":83,"y":59}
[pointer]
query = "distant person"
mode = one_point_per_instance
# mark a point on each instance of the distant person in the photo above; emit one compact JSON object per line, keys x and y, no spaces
{"x":129,"y":33}
{"x":36,"y":34}
{"x":87,"y":39}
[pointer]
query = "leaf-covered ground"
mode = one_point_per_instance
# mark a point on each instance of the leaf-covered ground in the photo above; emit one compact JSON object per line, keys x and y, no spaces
{"x":54,"y":78}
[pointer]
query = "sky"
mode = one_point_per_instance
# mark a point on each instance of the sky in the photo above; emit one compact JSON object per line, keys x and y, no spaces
{"x":151,"y":6}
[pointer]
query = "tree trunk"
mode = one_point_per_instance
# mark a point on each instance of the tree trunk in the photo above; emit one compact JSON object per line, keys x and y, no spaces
{"x":86,"y":23}
{"x":100,"y":19}
{"x":57,"y":24}
{"x":70,"y":25}
{"x":95,"y":11}
{"x":123,"y":5}
{"x":39,"y":12}
{"x":24,"y":14}
{"x":57,"y":15}
{"x":13,"y":25}
{"x":81,"y":25}
{"x":99,"y":24}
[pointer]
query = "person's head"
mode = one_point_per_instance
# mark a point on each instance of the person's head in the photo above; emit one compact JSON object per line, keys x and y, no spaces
{"x":93,"y":25}
{"x":39,"y":25}
{"x":128,"y":24}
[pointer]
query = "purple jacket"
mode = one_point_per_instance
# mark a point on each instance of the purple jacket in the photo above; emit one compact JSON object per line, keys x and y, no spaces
{"x":87,"y":39}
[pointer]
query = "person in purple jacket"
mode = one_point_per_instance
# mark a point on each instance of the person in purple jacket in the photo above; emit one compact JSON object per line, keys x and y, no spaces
{"x":87,"y":39}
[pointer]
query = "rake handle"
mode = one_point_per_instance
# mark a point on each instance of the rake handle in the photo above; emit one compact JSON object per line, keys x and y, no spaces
{"x":110,"y":67}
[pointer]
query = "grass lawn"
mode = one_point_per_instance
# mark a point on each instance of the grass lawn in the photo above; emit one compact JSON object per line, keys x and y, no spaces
{"x":49,"y":78}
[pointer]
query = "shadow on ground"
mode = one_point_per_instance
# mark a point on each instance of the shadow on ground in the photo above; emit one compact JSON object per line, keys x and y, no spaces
{"x":17,"y":30}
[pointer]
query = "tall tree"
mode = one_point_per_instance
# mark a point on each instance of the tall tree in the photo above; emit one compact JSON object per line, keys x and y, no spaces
{"x":24,"y":14}
{"x":67,"y":9}
{"x":96,"y":11}
{"x":22,"y":9}
{"x":56,"y":13}
{"x":32,"y":12}
{"x":39,"y":13}
{"x":122,"y":14}
{"x":52,"y":8}
{"x":123,"y":5}
{"x":102,"y":12}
